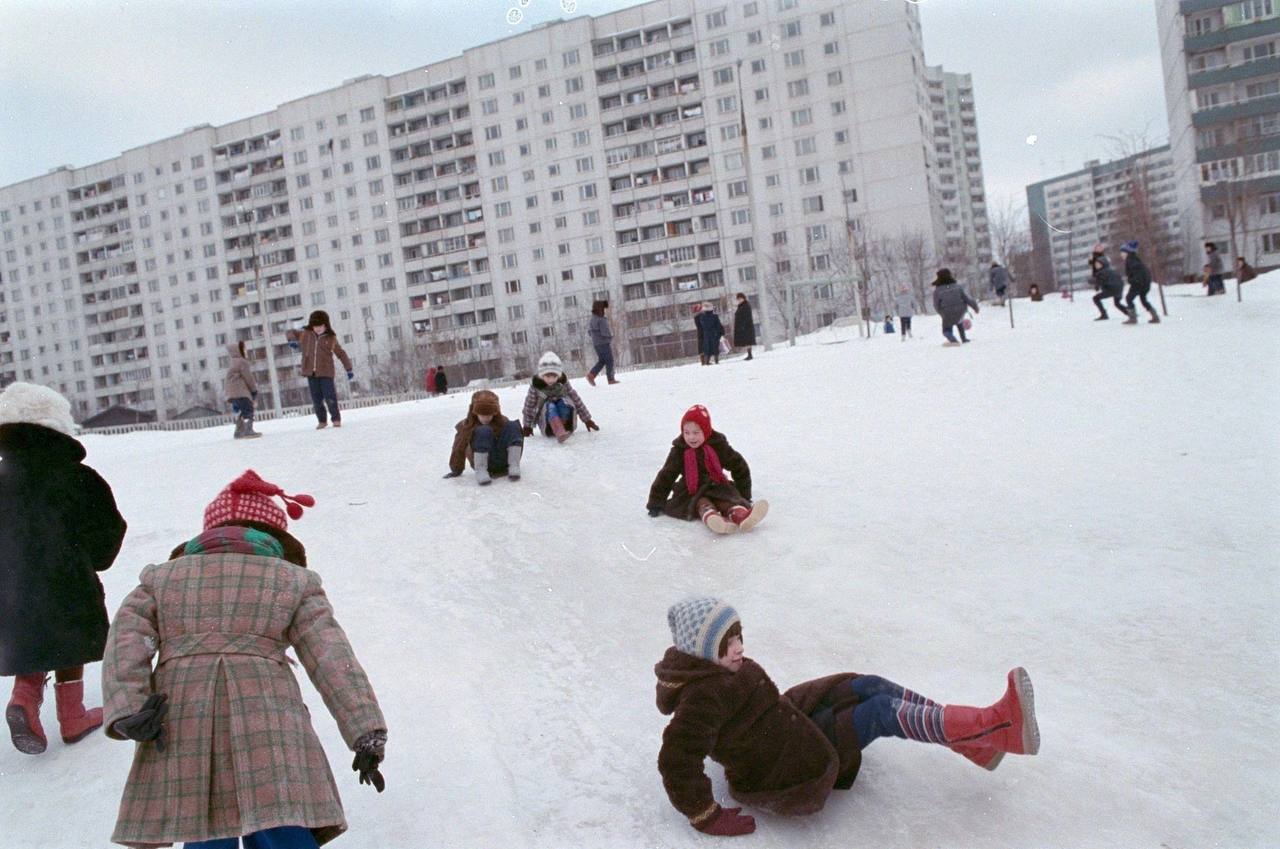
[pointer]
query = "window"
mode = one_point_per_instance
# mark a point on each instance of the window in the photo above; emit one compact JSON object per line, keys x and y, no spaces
{"x":811,"y":204}
{"x":515,"y":72}
{"x":743,"y":246}
{"x":794,"y":59}
{"x":809,"y":175}
{"x":837,"y":107}
{"x":577,"y":110}
{"x":493,"y":132}
{"x":831,"y":48}
{"x":485,"y":81}
{"x":570,"y":58}
{"x":719,"y":47}
{"x":715,"y":20}
{"x":798,"y":88}
{"x":806,"y":146}
{"x":791,"y":29}
{"x":740,"y":216}
{"x":750,"y":10}
{"x":573,"y":85}
{"x":835,"y":77}
{"x":489,"y":106}
{"x":370,"y":138}
{"x":372,"y":163}
{"x":827,"y":19}
{"x":366,"y":114}
{"x":722,"y":76}
{"x":801,"y":117}
{"x":587,"y":191}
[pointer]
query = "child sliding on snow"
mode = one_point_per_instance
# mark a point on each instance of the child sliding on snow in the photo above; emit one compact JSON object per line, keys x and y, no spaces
{"x":489,"y":440}
{"x":692,"y":484}
{"x":785,"y":753}
{"x":552,"y":402}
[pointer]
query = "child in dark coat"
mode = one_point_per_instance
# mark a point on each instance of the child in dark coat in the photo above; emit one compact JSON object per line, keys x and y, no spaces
{"x":692,"y":483}
{"x":785,"y":752}
{"x":552,"y":402}
{"x":491,"y":442}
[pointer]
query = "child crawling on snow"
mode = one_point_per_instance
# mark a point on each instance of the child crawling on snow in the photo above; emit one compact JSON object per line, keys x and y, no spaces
{"x":692,"y":483}
{"x":785,"y":752}
{"x":552,"y":402}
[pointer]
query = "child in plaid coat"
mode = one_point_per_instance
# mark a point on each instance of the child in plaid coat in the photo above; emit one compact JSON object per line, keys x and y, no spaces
{"x":552,"y":403}
{"x":226,"y":747}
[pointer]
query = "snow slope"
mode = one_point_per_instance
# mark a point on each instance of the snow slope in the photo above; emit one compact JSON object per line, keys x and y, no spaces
{"x":1093,"y":501}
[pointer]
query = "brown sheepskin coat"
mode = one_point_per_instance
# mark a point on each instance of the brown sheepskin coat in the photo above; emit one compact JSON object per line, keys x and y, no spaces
{"x":773,"y":755}
{"x":670,"y":494}
{"x":240,"y":753}
{"x":461,"y":453}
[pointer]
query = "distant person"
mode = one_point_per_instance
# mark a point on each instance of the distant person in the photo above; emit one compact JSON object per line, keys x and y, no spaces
{"x":430,"y":382}
{"x":1034,"y":292}
{"x":442,"y":382}
{"x":710,"y":332}
{"x":1213,"y":270}
{"x":601,"y":335}
{"x":744,"y":325}
{"x":319,"y":345}
{"x":1244,"y":271}
{"x":905,"y":303}
{"x":1107,"y":282}
{"x":999,"y":277}
{"x":950,"y":302}
{"x":241,"y":390}
{"x":888,"y":324}
{"x":1139,"y":283}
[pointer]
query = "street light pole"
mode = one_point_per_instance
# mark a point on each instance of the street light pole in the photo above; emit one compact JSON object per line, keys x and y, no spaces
{"x":262,"y":311}
{"x":761,"y":294}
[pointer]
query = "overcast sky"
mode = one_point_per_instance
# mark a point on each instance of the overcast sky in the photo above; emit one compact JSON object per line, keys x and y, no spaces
{"x":83,"y":80}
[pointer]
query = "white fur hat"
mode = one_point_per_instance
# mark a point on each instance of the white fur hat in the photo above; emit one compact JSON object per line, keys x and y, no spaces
{"x":28,"y":403}
{"x":550,"y":363}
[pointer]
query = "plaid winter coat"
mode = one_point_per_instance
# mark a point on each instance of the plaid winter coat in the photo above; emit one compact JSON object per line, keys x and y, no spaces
{"x":240,"y":753}
{"x":540,"y":393}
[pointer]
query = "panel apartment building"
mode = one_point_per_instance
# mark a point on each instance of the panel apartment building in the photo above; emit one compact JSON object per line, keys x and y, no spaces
{"x":466,"y":213}
{"x":1071,"y":213}
{"x":967,"y":238}
{"x":1222,"y":91}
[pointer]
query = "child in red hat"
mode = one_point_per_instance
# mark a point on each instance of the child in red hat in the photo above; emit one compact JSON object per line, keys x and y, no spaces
{"x":692,"y":483}
{"x":225,"y":742}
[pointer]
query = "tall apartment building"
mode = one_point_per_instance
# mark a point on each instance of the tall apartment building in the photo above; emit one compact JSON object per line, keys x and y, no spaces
{"x":1135,"y":197}
{"x":1222,"y":91}
{"x":465,"y":213}
{"x":967,"y":245}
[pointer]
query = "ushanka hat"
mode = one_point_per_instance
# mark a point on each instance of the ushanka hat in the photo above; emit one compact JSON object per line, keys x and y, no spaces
{"x":248,"y":499}
{"x":698,"y":625}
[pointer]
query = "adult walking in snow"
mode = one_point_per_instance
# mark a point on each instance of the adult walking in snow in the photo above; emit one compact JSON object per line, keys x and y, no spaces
{"x":905,"y":303}
{"x":601,"y":335}
{"x":442,"y":381}
{"x":1139,"y":283}
{"x":241,"y":390}
{"x":744,"y":325}
{"x":1107,"y":282}
{"x":950,"y":302}
{"x":999,"y":277}
{"x":60,"y":527}
{"x":1214,"y":270}
{"x":488,"y":440}
{"x":319,"y":345}
{"x":786,"y":752}
{"x":710,"y":331}
{"x":552,"y":403}
{"x":225,"y":743}
{"x":430,"y":382}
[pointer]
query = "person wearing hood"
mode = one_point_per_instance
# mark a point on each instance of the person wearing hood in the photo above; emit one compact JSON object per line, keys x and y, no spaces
{"x":1139,"y":283}
{"x":785,"y":752}
{"x":710,"y":330}
{"x":196,"y":676}
{"x":999,"y":277}
{"x":1107,"y":282}
{"x":241,"y":390}
{"x":950,"y":302}
{"x":601,"y":335}
{"x":60,"y":527}
{"x":488,"y":440}
{"x":319,"y":345}
{"x":692,"y":483}
{"x":551,"y":402}
{"x":905,"y":303}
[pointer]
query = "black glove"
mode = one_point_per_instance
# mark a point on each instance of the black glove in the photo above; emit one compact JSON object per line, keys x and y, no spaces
{"x":526,"y":430}
{"x":147,"y":725}
{"x":452,"y":474}
{"x":591,"y":425}
{"x":370,"y":749}
{"x":654,"y":512}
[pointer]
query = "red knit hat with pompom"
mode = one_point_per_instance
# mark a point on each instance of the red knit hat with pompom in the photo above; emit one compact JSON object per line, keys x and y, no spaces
{"x":248,"y":499}
{"x":700,"y":416}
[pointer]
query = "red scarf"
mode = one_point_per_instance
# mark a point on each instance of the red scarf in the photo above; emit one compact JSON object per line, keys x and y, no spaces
{"x":714,"y":469}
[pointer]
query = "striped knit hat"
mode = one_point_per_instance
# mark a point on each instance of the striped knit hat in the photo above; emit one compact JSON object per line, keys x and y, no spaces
{"x":698,"y":624}
{"x":248,"y":499}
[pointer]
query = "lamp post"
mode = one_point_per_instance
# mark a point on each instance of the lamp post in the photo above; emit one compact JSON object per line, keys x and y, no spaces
{"x":252,"y":220}
{"x":761,"y":295}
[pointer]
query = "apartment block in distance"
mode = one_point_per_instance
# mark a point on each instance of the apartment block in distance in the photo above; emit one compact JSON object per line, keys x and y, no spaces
{"x":967,"y":245}
{"x":467,"y":212}
{"x":1222,"y":90}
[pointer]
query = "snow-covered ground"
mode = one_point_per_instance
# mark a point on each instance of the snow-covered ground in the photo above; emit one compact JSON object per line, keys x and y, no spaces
{"x":1096,"y":502}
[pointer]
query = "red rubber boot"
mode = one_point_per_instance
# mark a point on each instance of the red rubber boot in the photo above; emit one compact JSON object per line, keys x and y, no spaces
{"x":23,"y":714}
{"x":74,"y":721}
{"x":1007,"y":726}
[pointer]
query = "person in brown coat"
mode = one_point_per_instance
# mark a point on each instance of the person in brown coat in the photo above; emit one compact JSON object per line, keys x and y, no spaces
{"x":491,"y":442}
{"x":225,"y":743}
{"x":319,"y":345}
{"x":241,"y":390}
{"x":692,"y":483}
{"x":786,"y":752}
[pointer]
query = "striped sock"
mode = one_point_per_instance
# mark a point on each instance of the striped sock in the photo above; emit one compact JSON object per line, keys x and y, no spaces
{"x":915,"y":698}
{"x":921,"y":722}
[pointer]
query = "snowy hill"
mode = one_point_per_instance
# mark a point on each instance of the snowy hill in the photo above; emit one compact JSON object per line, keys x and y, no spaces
{"x":1094,"y":501}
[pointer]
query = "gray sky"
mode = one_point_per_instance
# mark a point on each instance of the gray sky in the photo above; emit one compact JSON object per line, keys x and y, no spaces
{"x":125,"y":73}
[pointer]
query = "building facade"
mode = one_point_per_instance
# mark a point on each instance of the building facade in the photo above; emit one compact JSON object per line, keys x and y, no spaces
{"x":466,"y":213}
{"x":967,"y":237}
{"x":1222,"y":91}
{"x":1135,"y":197}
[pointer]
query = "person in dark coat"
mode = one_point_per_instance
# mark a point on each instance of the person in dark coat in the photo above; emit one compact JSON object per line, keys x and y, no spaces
{"x":999,"y":277}
{"x":1107,"y":282}
{"x":692,"y":483}
{"x":744,"y":325}
{"x":60,"y":527}
{"x":318,"y":343}
{"x":1244,"y":271}
{"x":601,"y":335}
{"x":1139,"y":283}
{"x":442,"y":382}
{"x":785,"y":752}
{"x":488,"y":440}
{"x":1034,"y":293}
{"x":1214,"y":270}
{"x":710,"y":330}
{"x":950,"y":301}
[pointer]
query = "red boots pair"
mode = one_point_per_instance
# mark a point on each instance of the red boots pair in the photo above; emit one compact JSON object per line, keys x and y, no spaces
{"x":740,"y":518}
{"x":23,"y":713}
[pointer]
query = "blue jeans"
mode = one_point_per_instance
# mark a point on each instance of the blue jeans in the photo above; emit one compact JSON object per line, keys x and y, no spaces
{"x":560,"y":409}
{"x":485,"y":441}
{"x":605,"y":361}
{"x":242,"y":407}
{"x":323,"y":393}
{"x":284,"y":837}
{"x":876,"y":715}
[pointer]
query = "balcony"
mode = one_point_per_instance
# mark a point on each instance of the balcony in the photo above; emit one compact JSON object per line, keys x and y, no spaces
{"x":1233,"y":111}
{"x":1234,"y":73}
{"x":1227,"y":35}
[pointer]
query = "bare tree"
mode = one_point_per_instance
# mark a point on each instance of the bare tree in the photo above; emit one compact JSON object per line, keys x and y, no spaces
{"x":1136,"y":217}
